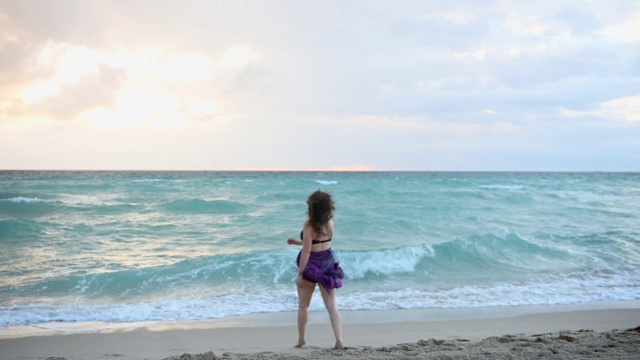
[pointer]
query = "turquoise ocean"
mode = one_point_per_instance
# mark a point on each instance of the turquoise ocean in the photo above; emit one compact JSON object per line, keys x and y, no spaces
{"x":166,"y":246}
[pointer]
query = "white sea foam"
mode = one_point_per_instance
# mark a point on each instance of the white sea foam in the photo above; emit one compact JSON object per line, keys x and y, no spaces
{"x":385,"y":262}
{"x":21,"y":199}
{"x":177,"y":308}
{"x":91,"y":200}
{"x":327,"y":182}
{"x":502,"y":187}
{"x":573,"y":288}
{"x":149,"y":180}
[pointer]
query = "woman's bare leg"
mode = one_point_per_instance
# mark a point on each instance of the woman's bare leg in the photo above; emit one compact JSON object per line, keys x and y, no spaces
{"x":329,"y":297}
{"x":305,"y":291}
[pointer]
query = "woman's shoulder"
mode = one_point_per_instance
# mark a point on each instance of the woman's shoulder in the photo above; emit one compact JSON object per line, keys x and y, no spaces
{"x":307,"y":227}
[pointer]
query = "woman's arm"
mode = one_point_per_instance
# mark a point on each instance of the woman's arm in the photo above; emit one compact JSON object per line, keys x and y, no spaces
{"x":293,"y":241}
{"x":306,"y":248}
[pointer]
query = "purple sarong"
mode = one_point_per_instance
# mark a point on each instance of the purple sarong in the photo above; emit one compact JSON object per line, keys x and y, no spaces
{"x":322,"y":268}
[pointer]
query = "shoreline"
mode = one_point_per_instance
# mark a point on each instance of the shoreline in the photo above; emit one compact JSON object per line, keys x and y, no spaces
{"x":276,"y":333}
{"x":349,"y":317}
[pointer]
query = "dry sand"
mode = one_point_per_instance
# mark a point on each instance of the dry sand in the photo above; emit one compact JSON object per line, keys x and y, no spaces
{"x":560,"y":332}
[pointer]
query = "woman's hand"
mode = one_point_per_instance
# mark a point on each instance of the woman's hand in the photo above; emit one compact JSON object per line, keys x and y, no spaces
{"x":299,"y":280}
{"x":292,"y":241}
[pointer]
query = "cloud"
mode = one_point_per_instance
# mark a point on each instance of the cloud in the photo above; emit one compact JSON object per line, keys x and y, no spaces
{"x":92,"y":90}
{"x":441,"y":32}
{"x":238,"y":57}
{"x":126,"y":85}
{"x":628,"y":31}
{"x":627,"y":108}
{"x":580,"y":20}
{"x":61,"y":20}
{"x":70,"y":81}
{"x":620,"y":109}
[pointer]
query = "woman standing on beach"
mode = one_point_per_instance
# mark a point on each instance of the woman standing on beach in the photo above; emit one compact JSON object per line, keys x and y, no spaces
{"x":316,"y":264}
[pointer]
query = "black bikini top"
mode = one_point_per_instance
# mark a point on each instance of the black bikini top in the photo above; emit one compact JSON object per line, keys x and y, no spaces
{"x":316,"y":241}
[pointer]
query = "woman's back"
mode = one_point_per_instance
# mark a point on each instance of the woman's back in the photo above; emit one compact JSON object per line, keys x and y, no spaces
{"x":320,"y":241}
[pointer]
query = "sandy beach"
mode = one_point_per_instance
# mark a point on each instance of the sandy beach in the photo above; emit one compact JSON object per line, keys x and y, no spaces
{"x":568,"y":332}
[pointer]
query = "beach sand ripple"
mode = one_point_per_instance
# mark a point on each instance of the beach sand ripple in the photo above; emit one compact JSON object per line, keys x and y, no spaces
{"x":580,"y":344}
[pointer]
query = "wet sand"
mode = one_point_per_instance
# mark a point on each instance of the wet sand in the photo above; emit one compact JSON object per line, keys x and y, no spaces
{"x":567,"y":332}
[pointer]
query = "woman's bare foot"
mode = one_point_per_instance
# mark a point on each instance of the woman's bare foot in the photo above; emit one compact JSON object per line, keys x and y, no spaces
{"x":338,"y":345}
{"x":300,"y":343}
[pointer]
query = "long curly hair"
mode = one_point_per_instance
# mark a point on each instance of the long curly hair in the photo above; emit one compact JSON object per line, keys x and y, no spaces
{"x":320,"y":211}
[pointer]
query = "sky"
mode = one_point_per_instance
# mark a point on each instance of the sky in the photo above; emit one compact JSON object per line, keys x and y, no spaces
{"x":320,"y":85}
